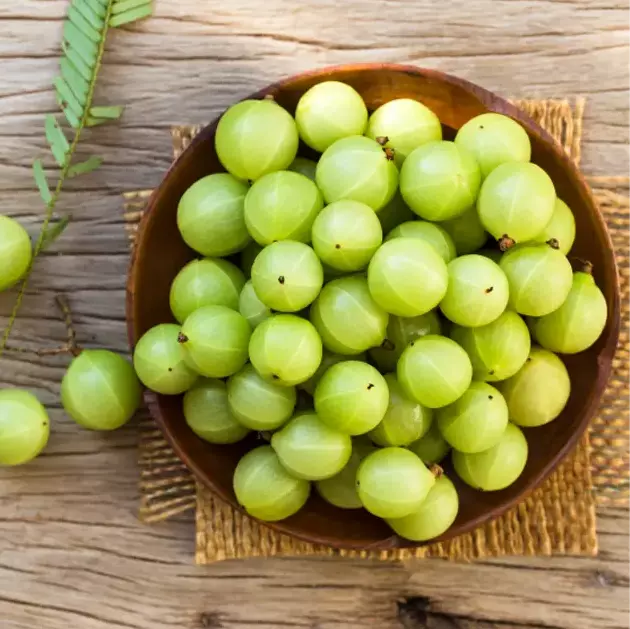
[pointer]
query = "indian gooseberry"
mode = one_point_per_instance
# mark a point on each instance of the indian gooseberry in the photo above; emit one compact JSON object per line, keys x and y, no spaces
{"x":208,"y":415}
{"x":287,"y":276}
{"x":346,"y":234}
{"x":24,"y":427}
{"x":497,"y":350}
{"x":434,"y":370}
{"x":403,"y":125}
{"x":579,"y":321}
{"x":476,"y":421}
{"x":250,"y":306}
{"x":256,"y":137}
{"x":282,"y":206}
{"x":494,"y":139}
{"x":430,"y":233}
{"x":351,"y":397}
{"x":329,"y":111}
{"x":100,"y":390}
{"x":477,"y":292}
{"x":400,"y":332}
{"x":516,"y":200}
{"x":265,"y":489}
{"x":560,"y":228}
{"x":258,"y":403}
{"x":394,"y":213}
{"x":407,"y":277}
{"x":431,"y":447}
{"x":539,"y":277}
{"x":340,"y":490}
{"x":310,"y":449}
{"x":215,"y":340}
{"x":347,"y":318}
{"x":466,"y":232}
{"x":328,"y":360}
{"x":15,"y":252}
{"x":304,"y":166}
{"x":359,"y":169}
{"x":434,"y":516}
{"x":393,"y":482}
{"x":285,"y":349}
{"x":207,"y":282}
{"x":439,"y":180}
{"x":495,"y":468}
{"x":210,"y":215}
{"x":404,"y":422}
{"x":539,"y":391}
{"x":159,"y":361}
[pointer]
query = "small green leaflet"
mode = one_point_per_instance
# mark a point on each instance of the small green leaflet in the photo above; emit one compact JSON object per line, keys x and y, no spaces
{"x":110,"y":113}
{"x":57,"y":140}
{"x":87,"y":166}
{"x":40,"y":180}
{"x":126,"y":11}
{"x":54,"y":231}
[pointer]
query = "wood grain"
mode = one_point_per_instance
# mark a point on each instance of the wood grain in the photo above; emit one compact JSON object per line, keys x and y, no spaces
{"x":71,"y":551}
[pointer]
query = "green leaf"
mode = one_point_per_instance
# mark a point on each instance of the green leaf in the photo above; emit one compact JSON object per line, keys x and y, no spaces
{"x":75,"y":16}
{"x":54,"y":231}
{"x":95,"y":122}
{"x":110,"y":113}
{"x":84,"y":46}
{"x":77,"y":83}
{"x":98,"y":6}
{"x":87,"y":11}
{"x":57,"y":140}
{"x":90,"y":164}
{"x":67,"y":96}
{"x":126,"y":11}
{"x":77,"y":61}
{"x":40,"y":180}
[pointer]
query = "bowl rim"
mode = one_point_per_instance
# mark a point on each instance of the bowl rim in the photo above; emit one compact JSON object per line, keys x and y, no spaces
{"x":491,"y":102}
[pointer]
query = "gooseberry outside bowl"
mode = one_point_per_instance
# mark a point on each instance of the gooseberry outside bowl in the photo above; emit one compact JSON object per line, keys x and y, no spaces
{"x":160,"y":253}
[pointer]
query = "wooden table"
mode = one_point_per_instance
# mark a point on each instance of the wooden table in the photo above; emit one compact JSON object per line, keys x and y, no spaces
{"x":72,"y":553}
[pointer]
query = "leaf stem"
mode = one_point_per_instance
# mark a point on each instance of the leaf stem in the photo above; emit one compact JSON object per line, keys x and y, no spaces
{"x":50,"y":206}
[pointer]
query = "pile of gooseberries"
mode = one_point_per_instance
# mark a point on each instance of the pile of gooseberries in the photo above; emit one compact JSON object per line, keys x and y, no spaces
{"x":411,"y":291}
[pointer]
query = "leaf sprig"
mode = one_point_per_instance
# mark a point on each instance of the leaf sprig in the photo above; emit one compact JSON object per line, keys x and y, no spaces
{"x":83,"y":45}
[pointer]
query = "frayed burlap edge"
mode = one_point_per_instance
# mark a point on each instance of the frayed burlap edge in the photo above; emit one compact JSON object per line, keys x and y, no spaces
{"x":557,"y":518}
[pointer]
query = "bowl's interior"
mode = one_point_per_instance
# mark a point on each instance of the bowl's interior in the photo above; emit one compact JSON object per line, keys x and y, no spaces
{"x":160,"y":253}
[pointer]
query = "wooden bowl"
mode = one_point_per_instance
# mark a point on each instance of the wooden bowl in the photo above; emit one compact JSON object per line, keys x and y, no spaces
{"x":160,"y":253}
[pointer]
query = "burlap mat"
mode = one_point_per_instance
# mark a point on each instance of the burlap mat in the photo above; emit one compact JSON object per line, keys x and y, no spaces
{"x":558,"y":518}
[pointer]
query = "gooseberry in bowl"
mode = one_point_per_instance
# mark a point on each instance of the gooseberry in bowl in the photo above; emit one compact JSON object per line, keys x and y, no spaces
{"x":348,"y":320}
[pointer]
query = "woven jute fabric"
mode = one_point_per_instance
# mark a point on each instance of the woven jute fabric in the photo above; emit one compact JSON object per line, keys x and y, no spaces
{"x":557,"y":518}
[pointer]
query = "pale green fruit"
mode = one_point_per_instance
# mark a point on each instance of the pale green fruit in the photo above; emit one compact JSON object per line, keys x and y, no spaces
{"x":434,"y":370}
{"x":208,"y":415}
{"x":210,"y":215}
{"x":432,"y":447}
{"x":406,"y":123}
{"x":439,"y":181}
{"x":282,"y":206}
{"x":250,"y":306}
{"x":494,"y":139}
{"x":100,"y":390}
{"x":256,"y":137}
{"x":539,"y":391}
{"x":24,"y":427}
{"x":304,"y":166}
{"x":495,"y":468}
{"x":257,"y":403}
{"x":208,"y":282}
{"x":466,"y":231}
{"x":15,"y":252}
{"x":560,"y":228}
{"x":404,"y":422}
{"x":579,"y":321}
{"x":286,"y":350}
{"x":430,"y":233}
{"x":347,"y":318}
{"x":329,"y":111}
{"x":406,"y":277}
{"x":435,"y":515}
